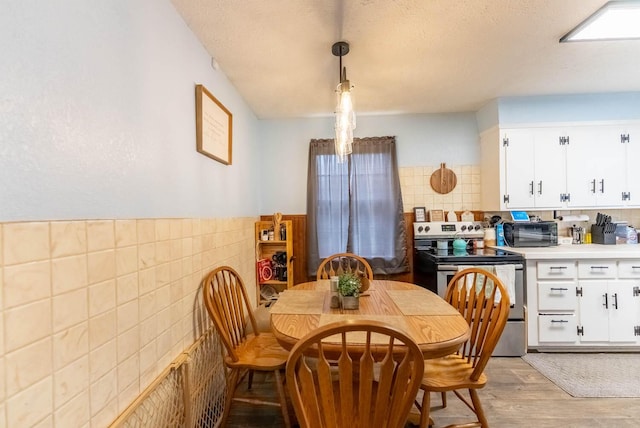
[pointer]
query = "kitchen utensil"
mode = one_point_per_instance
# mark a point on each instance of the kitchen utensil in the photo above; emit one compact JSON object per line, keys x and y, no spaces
{"x":451,"y":216}
{"x":443,"y":180}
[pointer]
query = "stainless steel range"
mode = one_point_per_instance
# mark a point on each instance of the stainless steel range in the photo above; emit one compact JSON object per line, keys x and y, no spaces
{"x":436,"y":262}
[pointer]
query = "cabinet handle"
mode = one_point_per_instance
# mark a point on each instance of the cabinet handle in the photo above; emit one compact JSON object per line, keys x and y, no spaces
{"x":560,"y":321}
{"x":599,"y":267}
{"x":606,"y":301}
{"x":602,"y":186}
{"x":540,"y":187}
{"x":635,"y":267}
{"x":552,"y":268}
{"x":593,"y":186}
{"x":558,"y":289}
{"x":615,"y":301}
{"x":531,"y":188}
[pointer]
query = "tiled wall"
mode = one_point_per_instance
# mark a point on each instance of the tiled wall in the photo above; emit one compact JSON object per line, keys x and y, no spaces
{"x":415,"y":183}
{"x":92,"y":311}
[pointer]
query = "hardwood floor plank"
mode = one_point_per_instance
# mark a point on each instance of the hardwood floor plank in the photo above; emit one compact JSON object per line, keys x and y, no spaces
{"x":515,"y":396}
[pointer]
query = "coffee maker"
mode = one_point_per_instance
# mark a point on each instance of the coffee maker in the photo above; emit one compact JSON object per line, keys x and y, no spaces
{"x":577,"y":234}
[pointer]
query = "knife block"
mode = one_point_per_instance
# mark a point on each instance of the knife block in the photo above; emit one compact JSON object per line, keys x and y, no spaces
{"x":599,"y":236}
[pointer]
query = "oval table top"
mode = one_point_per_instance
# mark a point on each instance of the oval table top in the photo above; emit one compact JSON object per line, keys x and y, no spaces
{"x":437,"y":327}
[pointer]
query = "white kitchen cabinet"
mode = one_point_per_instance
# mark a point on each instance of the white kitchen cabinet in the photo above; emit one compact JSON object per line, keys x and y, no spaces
{"x":596,"y":167}
{"x":632,"y":135}
{"x":522,"y":168}
{"x":608,"y":311}
{"x":590,"y":303}
{"x":556,"y":302}
{"x":534,"y":168}
{"x":565,"y":166}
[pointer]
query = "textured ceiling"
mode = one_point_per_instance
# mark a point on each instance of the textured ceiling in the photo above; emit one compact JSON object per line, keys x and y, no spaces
{"x":407,"y":56}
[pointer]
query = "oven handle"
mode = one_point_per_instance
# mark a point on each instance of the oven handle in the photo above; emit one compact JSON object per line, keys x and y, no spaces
{"x":454,"y":268}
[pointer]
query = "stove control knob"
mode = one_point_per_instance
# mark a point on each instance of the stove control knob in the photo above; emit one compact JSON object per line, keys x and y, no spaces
{"x":478,"y":227}
{"x":426,"y":228}
{"x":420,"y":228}
{"x":463,"y":228}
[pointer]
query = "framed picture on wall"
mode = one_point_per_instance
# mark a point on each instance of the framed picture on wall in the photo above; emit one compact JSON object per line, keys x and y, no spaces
{"x":436,"y":215}
{"x":214,"y":125}
{"x":420,"y":213}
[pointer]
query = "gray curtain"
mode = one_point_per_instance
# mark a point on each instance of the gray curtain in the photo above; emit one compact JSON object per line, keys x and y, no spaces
{"x":356,"y":206}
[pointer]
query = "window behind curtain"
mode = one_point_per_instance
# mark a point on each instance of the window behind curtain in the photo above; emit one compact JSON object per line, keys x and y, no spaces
{"x":356,"y":206}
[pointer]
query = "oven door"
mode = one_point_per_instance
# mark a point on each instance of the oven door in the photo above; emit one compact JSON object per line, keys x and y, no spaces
{"x":513,"y":341}
{"x":446,"y":272}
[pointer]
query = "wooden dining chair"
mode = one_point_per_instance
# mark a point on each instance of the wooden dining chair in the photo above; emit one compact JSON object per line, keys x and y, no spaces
{"x":227,"y":303}
{"x":373,"y":385}
{"x":483,"y":301}
{"x":337,"y":264}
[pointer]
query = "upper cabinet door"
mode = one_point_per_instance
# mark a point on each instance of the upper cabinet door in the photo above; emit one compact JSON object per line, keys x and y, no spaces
{"x":519,"y":168}
{"x":582,"y":161}
{"x":534,"y":168}
{"x":612,"y":174}
{"x":550,"y":180}
{"x":633,"y":165}
{"x":596,"y":170}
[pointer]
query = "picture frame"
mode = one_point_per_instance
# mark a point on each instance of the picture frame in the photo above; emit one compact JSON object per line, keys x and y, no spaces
{"x":214,"y":127}
{"x":436,"y":215}
{"x":420,"y":213}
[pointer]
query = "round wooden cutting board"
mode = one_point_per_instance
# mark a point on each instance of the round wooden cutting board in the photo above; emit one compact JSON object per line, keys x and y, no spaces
{"x":443,"y":180}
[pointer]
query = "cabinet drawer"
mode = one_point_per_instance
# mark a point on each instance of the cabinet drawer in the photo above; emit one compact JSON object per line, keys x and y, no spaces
{"x":553,"y":296}
{"x":557,"y":328}
{"x":629,"y":269}
{"x":557,"y":270}
{"x":595,"y":269}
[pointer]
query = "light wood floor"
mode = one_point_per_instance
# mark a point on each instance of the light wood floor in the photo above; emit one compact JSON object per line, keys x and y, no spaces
{"x":515,"y":396}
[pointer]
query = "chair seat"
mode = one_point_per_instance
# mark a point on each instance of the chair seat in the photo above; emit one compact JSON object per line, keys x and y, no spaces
{"x":448,"y":373}
{"x":262,"y":352}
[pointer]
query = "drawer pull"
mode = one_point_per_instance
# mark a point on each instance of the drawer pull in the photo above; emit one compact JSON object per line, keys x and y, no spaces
{"x":599,"y":267}
{"x":635,"y":267}
{"x":559,"y":267}
{"x":559,"y":289}
{"x":560,"y":321}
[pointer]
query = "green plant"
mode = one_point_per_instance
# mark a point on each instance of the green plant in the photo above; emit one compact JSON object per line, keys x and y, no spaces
{"x":349,"y":284}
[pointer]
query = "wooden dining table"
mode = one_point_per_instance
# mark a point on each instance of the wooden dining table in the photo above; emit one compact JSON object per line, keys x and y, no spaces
{"x":437,"y":327}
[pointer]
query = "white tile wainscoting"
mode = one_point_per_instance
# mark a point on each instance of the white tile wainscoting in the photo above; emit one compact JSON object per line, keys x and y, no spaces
{"x":93,"y":310}
{"x":415,"y":183}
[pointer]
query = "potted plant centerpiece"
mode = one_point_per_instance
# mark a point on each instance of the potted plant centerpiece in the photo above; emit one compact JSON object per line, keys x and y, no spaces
{"x":349,"y":288}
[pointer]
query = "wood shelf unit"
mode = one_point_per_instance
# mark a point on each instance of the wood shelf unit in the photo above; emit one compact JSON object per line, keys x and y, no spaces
{"x":266,"y":250}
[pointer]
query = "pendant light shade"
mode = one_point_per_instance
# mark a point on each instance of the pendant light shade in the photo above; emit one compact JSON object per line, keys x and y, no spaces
{"x":345,"y":121}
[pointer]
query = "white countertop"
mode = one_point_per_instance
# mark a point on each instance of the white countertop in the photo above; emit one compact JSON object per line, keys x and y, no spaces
{"x":582,"y":251}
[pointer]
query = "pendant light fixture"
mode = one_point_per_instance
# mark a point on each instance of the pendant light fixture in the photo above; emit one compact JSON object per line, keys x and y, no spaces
{"x":345,"y":116}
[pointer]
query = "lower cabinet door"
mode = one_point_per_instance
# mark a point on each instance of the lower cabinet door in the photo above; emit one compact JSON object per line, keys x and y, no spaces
{"x":557,"y":328}
{"x":623,"y":311}
{"x":594,"y":311}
